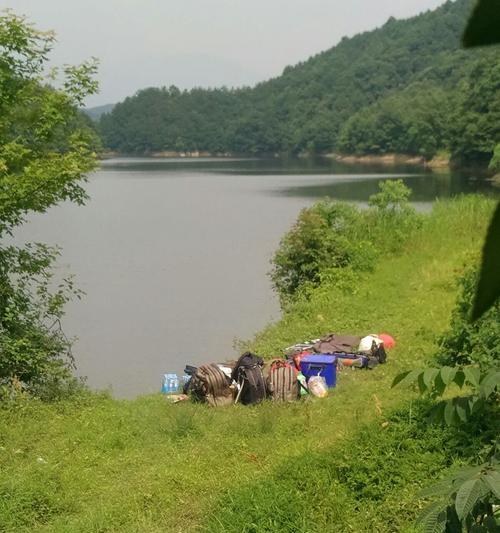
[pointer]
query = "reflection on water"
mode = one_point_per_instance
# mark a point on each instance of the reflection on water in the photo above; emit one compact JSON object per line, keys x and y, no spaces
{"x":350,"y":182}
{"x":173,"y":255}
{"x":248,"y":166}
{"x":425,"y":187}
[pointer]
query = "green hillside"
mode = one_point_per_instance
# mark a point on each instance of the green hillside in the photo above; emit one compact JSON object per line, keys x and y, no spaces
{"x":96,"y":112}
{"x":406,"y":87}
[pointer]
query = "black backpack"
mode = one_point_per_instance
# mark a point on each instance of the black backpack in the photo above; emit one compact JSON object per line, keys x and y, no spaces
{"x":379,"y":353}
{"x":248,"y":374}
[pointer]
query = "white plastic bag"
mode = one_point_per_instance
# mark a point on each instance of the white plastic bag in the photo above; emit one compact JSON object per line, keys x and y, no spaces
{"x":366,"y":343}
{"x":317,"y":386}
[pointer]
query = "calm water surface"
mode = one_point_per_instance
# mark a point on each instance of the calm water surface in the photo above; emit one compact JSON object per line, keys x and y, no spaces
{"x":173,"y":254}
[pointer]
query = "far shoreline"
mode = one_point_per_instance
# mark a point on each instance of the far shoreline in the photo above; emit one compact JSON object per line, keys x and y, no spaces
{"x":439,"y":163}
{"x":369,"y":159}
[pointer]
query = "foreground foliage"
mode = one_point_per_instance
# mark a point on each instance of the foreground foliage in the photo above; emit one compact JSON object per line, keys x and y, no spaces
{"x":483,"y":29}
{"x":469,"y":498}
{"x":469,"y":342}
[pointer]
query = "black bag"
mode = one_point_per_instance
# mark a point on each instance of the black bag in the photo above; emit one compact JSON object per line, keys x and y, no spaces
{"x":379,"y":353}
{"x":248,"y":374}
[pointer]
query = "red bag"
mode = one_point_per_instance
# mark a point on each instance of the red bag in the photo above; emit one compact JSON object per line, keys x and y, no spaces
{"x":297,"y":358}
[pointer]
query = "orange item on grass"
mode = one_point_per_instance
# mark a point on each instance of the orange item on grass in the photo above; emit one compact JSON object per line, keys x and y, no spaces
{"x":388,"y":341}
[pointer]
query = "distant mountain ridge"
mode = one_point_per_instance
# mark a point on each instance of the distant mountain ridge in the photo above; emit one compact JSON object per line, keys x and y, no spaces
{"x":96,"y":112}
{"x":405,"y":87}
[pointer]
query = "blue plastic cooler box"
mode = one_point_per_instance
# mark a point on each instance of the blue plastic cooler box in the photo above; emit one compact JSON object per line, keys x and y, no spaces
{"x":322,"y":365}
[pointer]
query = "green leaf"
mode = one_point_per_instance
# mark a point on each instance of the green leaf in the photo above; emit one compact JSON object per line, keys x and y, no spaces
{"x":448,"y":374}
{"x":429,"y":376}
{"x":441,"y":488}
{"x":436,"y":414}
{"x":492,"y":480}
{"x":475,"y":403}
{"x":467,"y":496}
{"x":459,"y":378}
{"x":472,"y":375}
{"x":483,"y":27}
{"x":399,"y":378}
{"x":489,"y":383}
{"x":422,"y":387}
{"x":488,"y":287}
{"x":462,"y":408}
{"x":433,"y":518}
{"x":407,"y":378}
{"x":491,"y":525}
{"x":449,"y":413}
{"x":466,"y":473}
{"x":439,"y":384}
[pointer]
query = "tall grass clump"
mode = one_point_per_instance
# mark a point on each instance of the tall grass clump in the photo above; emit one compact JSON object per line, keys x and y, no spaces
{"x":332,"y":239}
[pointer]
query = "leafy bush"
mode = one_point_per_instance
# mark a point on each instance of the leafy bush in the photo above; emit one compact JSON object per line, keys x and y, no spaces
{"x":471,"y":342}
{"x":465,"y":499}
{"x":36,"y":354}
{"x":392,"y":198}
{"x":325,"y":236}
{"x":391,"y":219}
{"x":468,"y":498}
{"x":46,"y":149}
{"x":332,"y":236}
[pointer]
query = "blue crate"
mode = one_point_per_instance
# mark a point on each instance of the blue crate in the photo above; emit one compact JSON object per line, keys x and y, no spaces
{"x":322,"y":365}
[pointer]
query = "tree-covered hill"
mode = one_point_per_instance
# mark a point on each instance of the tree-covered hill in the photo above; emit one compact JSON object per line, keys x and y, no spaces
{"x":95,"y":113}
{"x":406,"y":87}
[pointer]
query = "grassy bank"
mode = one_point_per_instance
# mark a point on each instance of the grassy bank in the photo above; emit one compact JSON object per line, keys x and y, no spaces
{"x":352,"y":462}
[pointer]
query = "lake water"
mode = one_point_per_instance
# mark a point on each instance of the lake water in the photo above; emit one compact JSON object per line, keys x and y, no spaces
{"x":173,"y":254}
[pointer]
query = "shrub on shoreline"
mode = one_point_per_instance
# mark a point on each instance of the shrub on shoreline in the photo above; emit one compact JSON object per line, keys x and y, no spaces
{"x":333,"y":236}
{"x":467,"y":342}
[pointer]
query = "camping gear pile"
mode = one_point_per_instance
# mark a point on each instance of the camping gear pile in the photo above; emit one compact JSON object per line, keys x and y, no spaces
{"x":308,"y":368}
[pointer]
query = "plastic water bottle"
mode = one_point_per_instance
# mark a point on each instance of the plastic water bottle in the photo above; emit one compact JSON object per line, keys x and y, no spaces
{"x":164,"y":384}
{"x":170,"y":383}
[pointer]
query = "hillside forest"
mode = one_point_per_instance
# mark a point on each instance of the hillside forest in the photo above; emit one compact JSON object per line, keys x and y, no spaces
{"x":407,"y":87}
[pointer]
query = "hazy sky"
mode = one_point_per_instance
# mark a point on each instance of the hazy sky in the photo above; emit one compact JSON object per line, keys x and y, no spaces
{"x":142,"y":43}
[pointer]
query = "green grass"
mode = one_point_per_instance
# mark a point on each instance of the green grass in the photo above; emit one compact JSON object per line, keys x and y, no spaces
{"x":352,"y":462}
